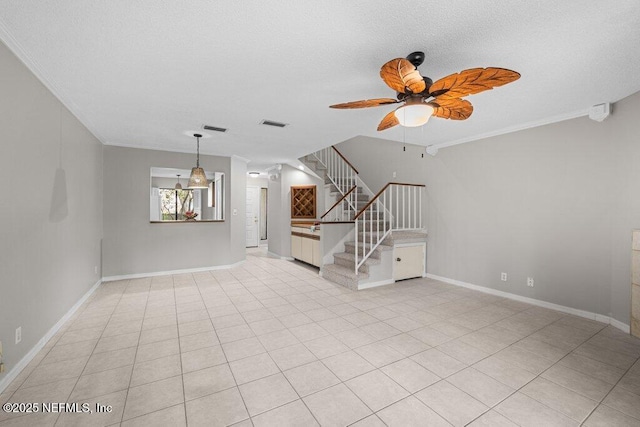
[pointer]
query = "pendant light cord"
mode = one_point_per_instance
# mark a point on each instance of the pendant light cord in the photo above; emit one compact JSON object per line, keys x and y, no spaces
{"x":198,"y":155}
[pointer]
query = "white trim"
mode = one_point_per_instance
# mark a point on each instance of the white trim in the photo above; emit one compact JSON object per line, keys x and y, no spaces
{"x":618,"y":324}
{"x":242,"y":159}
{"x":274,"y":255}
{"x":515,"y":128}
{"x":165,"y":273}
{"x":376,"y":284}
{"x":570,"y":310}
{"x":33,"y":66}
{"x":15,"y":371}
{"x":163,"y":148}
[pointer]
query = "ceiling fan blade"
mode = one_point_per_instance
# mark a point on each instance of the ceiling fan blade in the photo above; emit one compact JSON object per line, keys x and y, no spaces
{"x":389,"y":121}
{"x":451,"y":108}
{"x":366,"y":103}
{"x":402,"y":76}
{"x":474,"y":80}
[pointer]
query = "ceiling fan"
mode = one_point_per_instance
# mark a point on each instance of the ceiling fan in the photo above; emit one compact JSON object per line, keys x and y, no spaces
{"x":423,"y":98}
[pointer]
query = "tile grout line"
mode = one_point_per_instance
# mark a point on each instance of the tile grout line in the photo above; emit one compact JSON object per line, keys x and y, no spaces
{"x":237,"y":386}
{"x":135,"y":356}
{"x":85,"y":305}
{"x":184,"y":398}
{"x":376,"y":298}
{"x":540,"y":376}
{"x":609,"y":392}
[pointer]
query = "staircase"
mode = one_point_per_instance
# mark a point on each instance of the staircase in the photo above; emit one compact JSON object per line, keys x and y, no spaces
{"x":380,"y":221}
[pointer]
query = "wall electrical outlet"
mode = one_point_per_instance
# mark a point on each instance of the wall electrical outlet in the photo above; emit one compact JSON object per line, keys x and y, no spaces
{"x":503,"y":277}
{"x":530,"y":282}
{"x":95,"y":269}
{"x":394,"y":174}
{"x":18,"y":334}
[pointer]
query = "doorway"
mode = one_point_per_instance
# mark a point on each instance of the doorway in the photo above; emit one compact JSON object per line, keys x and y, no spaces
{"x":253,"y":216}
{"x":263,"y":215}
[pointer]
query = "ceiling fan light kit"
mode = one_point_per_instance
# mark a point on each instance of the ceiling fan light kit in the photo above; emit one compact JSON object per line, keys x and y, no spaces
{"x":414,"y":113}
{"x":424,"y":98}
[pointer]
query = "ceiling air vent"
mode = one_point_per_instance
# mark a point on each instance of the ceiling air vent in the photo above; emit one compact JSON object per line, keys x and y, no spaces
{"x":272,"y":123}
{"x":214,"y":128}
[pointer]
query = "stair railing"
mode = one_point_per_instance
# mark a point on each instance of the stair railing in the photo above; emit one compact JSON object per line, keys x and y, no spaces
{"x":343,"y":209}
{"x":396,"y":207}
{"x":339,"y":170}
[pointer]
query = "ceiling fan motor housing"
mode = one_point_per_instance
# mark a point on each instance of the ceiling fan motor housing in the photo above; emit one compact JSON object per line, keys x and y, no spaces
{"x":416,"y":58}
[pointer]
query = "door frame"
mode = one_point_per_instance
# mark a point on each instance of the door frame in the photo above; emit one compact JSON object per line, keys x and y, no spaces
{"x":259,"y":188}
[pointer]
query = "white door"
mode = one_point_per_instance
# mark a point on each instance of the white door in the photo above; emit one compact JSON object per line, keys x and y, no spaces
{"x":408,"y":261}
{"x":253,"y":215}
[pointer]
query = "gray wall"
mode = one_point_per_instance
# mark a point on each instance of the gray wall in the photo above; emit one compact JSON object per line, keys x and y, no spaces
{"x":274,"y":212}
{"x":50,"y":239}
{"x":132,"y":245}
{"x":556,"y":203}
{"x":376,"y":160}
{"x":238,"y":204}
{"x":279,"y":207}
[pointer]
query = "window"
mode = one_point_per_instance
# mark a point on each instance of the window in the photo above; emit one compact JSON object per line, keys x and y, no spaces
{"x":174,"y":203}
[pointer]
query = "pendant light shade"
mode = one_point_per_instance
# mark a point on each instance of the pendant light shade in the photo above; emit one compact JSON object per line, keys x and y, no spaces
{"x":178,"y":185}
{"x":198,"y":178}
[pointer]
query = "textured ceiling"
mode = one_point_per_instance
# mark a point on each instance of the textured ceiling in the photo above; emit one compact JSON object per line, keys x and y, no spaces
{"x":142,"y":73}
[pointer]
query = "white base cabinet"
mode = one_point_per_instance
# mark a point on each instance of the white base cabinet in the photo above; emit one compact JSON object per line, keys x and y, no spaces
{"x":305,"y":245}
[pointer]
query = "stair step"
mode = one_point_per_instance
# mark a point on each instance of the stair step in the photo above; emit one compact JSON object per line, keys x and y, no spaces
{"x":348,"y":260}
{"x":369,"y":235}
{"x":350,"y":247}
{"x":316,"y":167}
{"x":361,"y":196}
{"x":346,"y":185}
{"x":342,"y":275}
{"x":405,"y":237}
{"x":373,"y":225}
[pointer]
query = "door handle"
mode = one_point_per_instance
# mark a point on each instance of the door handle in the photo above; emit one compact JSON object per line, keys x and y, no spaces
{"x":398,"y":259}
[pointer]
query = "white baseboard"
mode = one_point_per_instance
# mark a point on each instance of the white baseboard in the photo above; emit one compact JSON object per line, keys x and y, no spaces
{"x":570,"y":310}
{"x":169,"y":272}
{"x":274,"y":255}
{"x":375,"y":284}
{"x":13,"y":373}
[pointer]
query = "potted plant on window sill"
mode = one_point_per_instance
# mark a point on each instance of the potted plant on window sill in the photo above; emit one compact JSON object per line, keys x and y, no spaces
{"x":190,"y":215}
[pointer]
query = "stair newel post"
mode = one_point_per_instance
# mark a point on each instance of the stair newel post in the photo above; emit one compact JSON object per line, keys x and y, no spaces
{"x":384,"y":213}
{"x":403,"y":205}
{"x":378,"y":220}
{"x":356,"y":258}
{"x":371,"y":231}
{"x":420,"y":208}
{"x":416,"y":206}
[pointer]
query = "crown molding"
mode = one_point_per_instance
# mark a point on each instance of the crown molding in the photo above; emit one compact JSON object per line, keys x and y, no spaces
{"x":37,"y":70}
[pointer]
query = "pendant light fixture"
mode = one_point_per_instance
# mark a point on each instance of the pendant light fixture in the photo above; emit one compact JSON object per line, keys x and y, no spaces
{"x":178,"y":185}
{"x":198,"y":178}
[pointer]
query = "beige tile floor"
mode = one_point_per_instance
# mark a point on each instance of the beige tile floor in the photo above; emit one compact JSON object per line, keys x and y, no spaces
{"x":272,"y":344}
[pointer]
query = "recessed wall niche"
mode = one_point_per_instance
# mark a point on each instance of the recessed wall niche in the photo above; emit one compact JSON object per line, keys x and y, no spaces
{"x":303,"y":201}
